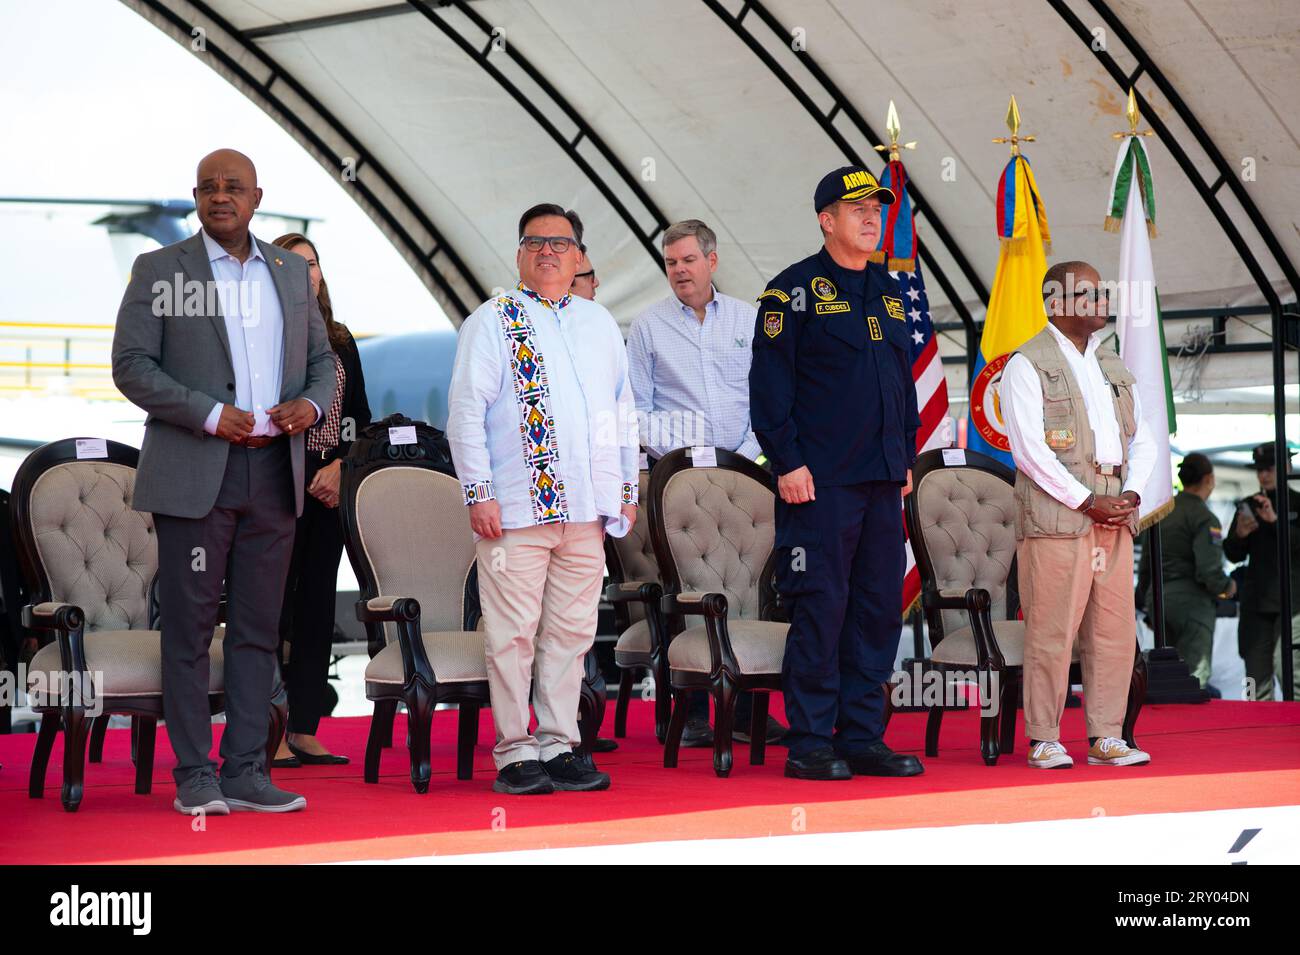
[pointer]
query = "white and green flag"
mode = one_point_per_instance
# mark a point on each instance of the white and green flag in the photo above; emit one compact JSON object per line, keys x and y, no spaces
{"x":1132,"y":212}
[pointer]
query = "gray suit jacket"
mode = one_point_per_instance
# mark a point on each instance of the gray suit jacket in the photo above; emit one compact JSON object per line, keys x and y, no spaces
{"x":177,"y":366}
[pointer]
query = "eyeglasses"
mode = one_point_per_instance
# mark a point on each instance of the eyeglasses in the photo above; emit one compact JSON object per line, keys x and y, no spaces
{"x":1093,"y":295}
{"x":586,"y":275}
{"x":559,"y":243}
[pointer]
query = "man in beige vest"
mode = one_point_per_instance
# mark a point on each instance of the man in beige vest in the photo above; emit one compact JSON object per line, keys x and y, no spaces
{"x":1076,"y":432}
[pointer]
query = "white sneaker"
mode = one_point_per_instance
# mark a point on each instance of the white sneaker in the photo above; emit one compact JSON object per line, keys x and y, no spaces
{"x":1051,"y":755}
{"x":1109,"y":751}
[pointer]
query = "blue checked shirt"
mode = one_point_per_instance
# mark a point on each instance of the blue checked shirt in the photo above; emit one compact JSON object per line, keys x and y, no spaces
{"x":691,"y":378}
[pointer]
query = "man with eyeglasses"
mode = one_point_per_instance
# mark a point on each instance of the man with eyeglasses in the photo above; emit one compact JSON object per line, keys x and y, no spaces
{"x":1081,"y":449}
{"x":542,"y":428}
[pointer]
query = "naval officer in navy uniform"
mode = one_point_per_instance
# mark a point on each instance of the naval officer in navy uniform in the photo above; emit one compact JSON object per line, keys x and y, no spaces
{"x":833,"y":405}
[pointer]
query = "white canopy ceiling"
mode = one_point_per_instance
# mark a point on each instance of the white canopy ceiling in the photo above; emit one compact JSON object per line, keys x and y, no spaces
{"x":453,"y":111}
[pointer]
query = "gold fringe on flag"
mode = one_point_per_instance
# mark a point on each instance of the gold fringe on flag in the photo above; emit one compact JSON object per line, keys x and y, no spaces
{"x":1156,"y":516}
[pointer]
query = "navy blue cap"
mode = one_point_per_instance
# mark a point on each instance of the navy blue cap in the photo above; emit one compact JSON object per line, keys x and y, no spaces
{"x":849,"y":183}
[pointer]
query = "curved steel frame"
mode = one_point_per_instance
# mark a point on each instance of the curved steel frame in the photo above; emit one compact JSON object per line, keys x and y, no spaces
{"x":1209,"y":194}
{"x":262,"y":90}
{"x":826,"y":122}
{"x":567,"y":146}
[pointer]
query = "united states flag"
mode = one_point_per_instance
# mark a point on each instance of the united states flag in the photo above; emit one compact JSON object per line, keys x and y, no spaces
{"x":931,"y":393}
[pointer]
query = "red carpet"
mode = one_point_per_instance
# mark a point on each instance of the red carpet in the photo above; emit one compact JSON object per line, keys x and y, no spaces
{"x":1215,"y":756}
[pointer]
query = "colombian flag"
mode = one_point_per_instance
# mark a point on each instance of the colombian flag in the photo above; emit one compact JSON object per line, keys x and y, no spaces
{"x":1015,"y":312}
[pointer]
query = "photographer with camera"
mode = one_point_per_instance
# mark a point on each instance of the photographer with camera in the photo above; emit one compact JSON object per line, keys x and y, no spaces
{"x":1253,"y":538}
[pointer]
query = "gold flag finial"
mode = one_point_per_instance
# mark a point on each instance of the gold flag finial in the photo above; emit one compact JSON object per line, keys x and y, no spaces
{"x":1013,"y":124}
{"x":894,"y":129}
{"x":1133,"y":116}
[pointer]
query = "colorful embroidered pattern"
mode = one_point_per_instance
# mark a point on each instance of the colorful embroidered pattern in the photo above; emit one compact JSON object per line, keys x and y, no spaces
{"x":543,"y":300}
{"x":630,"y":493}
{"x":536,"y":426}
{"x":478,"y":492}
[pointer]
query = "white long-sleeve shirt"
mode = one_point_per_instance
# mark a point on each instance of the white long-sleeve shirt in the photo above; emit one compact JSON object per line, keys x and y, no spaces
{"x":1021,"y":394}
{"x":540,"y":414}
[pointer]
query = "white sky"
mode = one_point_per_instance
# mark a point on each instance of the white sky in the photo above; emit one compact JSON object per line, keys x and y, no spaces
{"x":96,"y":102}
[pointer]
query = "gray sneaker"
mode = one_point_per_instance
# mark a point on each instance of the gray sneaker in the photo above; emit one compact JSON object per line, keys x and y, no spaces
{"x":251,"y":790}
{"x":201,"y":794}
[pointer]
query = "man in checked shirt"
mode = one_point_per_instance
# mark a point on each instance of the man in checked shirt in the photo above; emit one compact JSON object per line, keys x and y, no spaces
{"x":688,"y":361}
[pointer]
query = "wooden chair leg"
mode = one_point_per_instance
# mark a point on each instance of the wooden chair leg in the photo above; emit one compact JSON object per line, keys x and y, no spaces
{"x":1007,"y":703}
{"x":419,"y":721}
{"x":1137,"y":695}
{"x":724,"y":695}
{"x":466,"y":740}
{"x":98,"y":728}
{"x":145,"y":730}
{"x":381,"y":728}
{"x":388,"y":717}
{"x":625,"y":680}
{"x":676,"y":724}
{"x":279,"y":720}
{"x":989,"y":740}
{"x":758,"y":729}
{"x":932,"y":724}
{"x":76,"y":731}
{"x":135,"y":737}
{"x":663,"y":697}
{"x":50,"y":722}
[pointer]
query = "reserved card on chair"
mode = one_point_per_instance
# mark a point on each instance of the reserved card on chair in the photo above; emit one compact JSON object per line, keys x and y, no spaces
{"x":402,"y":435}
{"x":91,"y":448}
{"x":954,"y":457}
{"x":704,"y":457}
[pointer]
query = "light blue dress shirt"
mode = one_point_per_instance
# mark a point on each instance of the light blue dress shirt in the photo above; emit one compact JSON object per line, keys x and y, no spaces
{"x":691,"y":378}
{"x":254,"y":320}
{"x":540,"y":415}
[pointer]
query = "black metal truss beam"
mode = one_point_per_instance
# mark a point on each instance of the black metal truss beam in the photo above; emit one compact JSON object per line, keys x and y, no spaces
{"x":263,"y":89}
{"x":333,"y":20}
{"x":569,"y":146}
{"x":841,"y":103}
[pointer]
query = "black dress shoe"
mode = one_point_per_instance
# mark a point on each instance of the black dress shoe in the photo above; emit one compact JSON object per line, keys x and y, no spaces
{"x":573,"y":773}
{"x":775,"y":732}
{"x":312,"y":759}
{"x":697,"y":734}
{"x":880,"y":760}
{"x":603,"y":745}
{"x":286,"y":762}
{"x":823,"y":764}
{"x":524,"y":778}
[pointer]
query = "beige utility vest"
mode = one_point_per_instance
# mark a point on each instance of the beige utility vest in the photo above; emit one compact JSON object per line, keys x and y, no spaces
{"x":1068,"y":433}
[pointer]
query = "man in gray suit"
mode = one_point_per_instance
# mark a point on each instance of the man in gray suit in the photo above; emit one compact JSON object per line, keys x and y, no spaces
{"x":220,"y":340}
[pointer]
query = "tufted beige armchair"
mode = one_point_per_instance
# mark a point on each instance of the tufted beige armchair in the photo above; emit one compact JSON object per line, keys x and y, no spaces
{"x":713,"y":532}
{"x":410,"y":544}
{"x":961,"y":524}
{"x":89,"y":561}
{"x":635,"y":590}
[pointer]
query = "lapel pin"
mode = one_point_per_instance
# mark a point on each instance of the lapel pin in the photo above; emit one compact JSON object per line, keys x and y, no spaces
{"x":279,"y":261}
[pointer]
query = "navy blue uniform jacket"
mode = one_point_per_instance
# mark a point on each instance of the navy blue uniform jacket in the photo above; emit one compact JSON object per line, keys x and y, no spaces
{"x":831,"y":384}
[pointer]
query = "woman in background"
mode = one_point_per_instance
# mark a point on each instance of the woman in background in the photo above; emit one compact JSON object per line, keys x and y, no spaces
{"x":307,"y":616}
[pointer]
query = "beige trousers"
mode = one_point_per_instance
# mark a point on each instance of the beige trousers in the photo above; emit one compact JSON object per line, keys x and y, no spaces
{"x":1084,"y":586}
{"x":539,"y":589}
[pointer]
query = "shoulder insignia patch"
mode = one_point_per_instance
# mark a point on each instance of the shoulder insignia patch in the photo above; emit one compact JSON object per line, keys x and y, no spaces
{"x":1216,"y":534}
{"x":772,"y":323}
{"x":775,"y":293}
{"x":824,"y":289}
{"x":894,"y":306}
